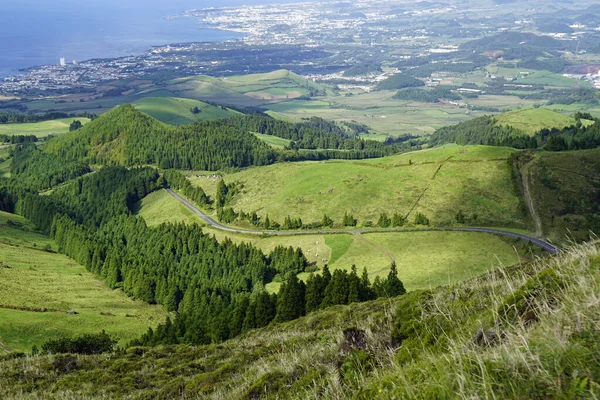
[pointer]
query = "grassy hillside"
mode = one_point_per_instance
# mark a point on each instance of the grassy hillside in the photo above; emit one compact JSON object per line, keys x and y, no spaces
{"x":533,"y":120}
{"x":245,"y":90}
{"x":437,"y":182}
{"x":34,"y":278}
{"x":160,"y":207}
{"x":176,"y":111}
{"x":565,"y":189}
{"x":512,"y":334}
{"x":40,"y":129}
{"x":424,"y":259}
{"x":273,"y":141}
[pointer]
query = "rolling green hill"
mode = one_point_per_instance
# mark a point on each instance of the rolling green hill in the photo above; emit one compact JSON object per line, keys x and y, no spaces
{"x":176,"y":111}
{"x":533,"y":120}
{"x":424,"y":259}
{"x":40,"y":287}
{"x":511,"y":335}
{"x":129,"y":137}
{"x":437,"y":182}
{"x":245,"y":90}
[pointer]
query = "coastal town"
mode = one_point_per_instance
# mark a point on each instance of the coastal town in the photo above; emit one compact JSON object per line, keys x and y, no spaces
{"x":318,"y":40}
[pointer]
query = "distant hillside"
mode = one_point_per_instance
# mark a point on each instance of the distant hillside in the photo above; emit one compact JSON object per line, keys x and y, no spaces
{"x":360,"y":69}
{"x":246,"y":90}
{"x":128,"y":137}
{"x":519,"y":129}
{"x":177,"y":111}
{"x":533,"y":120}
{"x":513,"y":334}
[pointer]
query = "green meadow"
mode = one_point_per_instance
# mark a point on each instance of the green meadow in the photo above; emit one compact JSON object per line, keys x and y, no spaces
{"x":160,"y":207}
{"x":40,"y":129}
{"x":176,"y":111}
{"x":437,"y":182}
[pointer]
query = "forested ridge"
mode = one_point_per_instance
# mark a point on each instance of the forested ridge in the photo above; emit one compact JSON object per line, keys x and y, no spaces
{"x":38,"y":170}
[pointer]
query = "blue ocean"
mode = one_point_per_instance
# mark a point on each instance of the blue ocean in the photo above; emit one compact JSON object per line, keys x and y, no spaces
{"x":39,"y":32}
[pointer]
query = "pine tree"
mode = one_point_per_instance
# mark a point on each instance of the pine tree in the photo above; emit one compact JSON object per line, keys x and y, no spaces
{"x":353,"y":286}
{"x":366,"y":292}
{"x":394,"y":286}
{"x":384,"y":221}
{"x":265,"y":309}
{"x":290,"y":301}
{"x":315,"y":291}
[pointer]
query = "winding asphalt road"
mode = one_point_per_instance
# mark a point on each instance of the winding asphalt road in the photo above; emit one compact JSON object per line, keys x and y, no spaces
{"x":550,"y":248}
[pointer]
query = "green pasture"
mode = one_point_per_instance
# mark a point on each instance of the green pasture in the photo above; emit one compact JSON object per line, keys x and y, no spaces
{"x":40,"y":129}
{"x":436,"y":182}
{"x":177,"y":111}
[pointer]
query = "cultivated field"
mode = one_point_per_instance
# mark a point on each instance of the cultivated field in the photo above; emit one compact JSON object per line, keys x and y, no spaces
{"x":378,"y":110}
{"x":33,"y":278}
{"x":40,"y":129}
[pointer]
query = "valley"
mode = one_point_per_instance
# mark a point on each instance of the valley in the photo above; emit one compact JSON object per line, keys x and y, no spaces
{"x":369,"y":200}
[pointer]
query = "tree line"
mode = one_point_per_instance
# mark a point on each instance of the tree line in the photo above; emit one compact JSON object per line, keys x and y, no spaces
{"x":256,"y":310}
{"x":17,"y":118}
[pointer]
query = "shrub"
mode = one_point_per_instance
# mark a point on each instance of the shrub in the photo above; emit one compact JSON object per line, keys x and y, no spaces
{"x":86,"y":344}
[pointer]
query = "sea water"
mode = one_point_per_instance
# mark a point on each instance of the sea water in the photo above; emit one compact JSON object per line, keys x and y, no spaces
{"x":40,"y":32}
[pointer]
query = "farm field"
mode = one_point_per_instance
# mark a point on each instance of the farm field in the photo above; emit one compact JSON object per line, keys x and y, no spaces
{"x":32,"y":278}
{"x":177,"y":111}
{"x":436,"y":182}
{"x":536,"y":77}
{"x":273,"y":141}
{"x":40,"y":129}
{"x":378,"y":110}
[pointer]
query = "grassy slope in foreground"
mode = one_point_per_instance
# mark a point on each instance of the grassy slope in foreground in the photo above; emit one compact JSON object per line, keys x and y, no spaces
{"x":436,"y":182}
{"x":533,"y":120}
{"x":176,"y":111}
{"x":424,"y":259}
{"x":452,"y":342}
{"x":40,"y":129}
{"x":39,"y":279}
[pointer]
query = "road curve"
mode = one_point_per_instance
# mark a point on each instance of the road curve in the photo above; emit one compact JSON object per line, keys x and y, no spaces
{"x":550,"y":248}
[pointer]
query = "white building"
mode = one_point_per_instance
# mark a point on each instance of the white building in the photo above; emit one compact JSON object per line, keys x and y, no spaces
{"x":63,"y":62}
